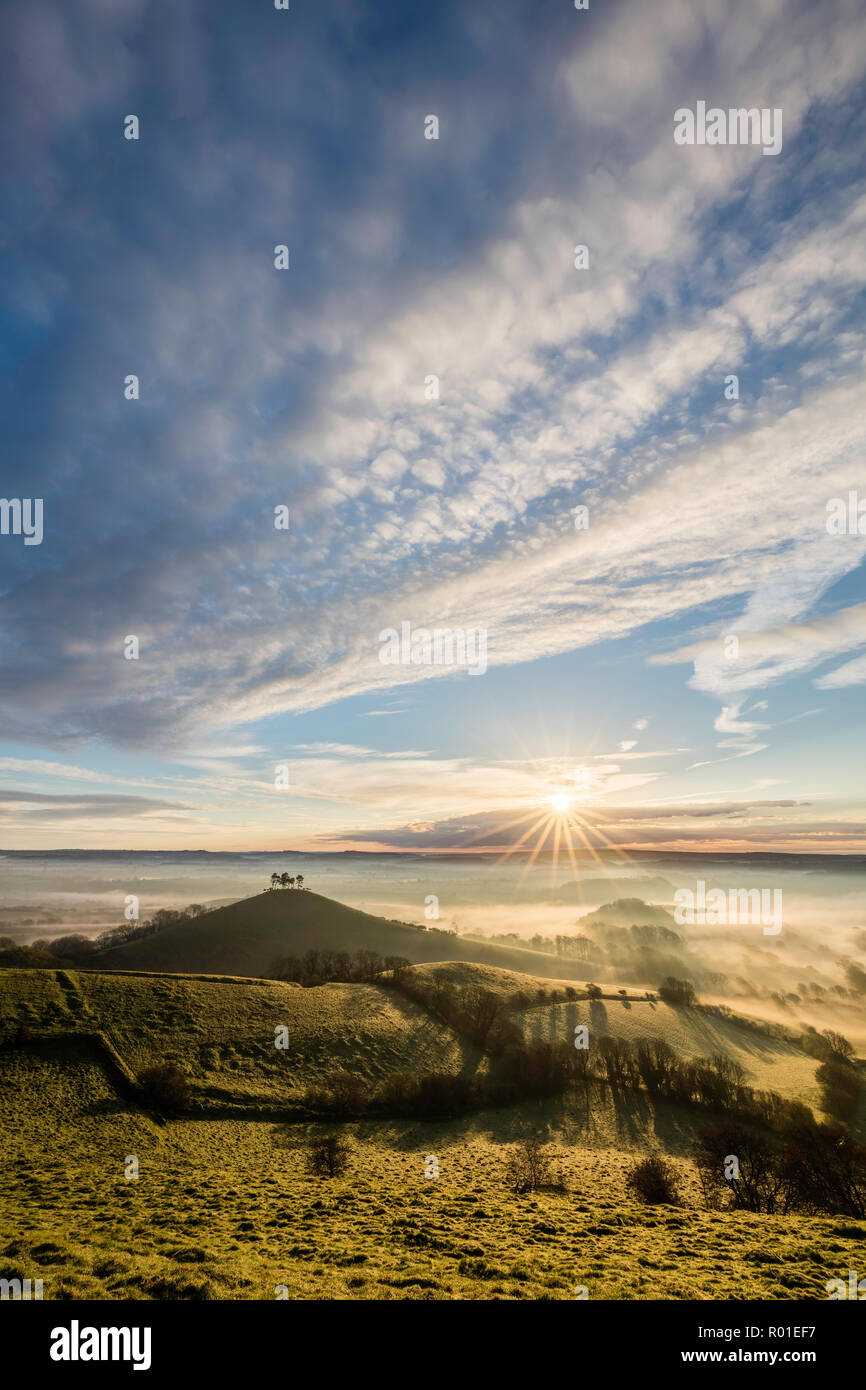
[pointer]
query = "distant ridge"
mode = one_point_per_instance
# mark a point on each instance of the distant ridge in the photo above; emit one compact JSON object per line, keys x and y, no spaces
{"x":627,"y":912}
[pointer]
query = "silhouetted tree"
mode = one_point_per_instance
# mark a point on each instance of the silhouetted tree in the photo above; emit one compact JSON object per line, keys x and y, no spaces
{"x":757,"y":1180}
{"x":826,"y":1168}
{"x":328,"y":1156}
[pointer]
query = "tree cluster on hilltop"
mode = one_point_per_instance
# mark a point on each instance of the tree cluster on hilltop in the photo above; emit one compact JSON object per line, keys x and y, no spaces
{"x":286,"y":881}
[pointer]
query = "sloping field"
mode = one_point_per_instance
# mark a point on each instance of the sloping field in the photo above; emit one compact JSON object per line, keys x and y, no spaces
{"x":770,"y":1064}
{"x":503,"y":982}
{"x":509,"y":984}
{"x":221,"y":1031}
{"x":64,"y":1099}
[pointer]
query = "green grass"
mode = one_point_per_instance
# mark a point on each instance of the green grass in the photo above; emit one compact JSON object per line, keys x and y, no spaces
{"x":770,"y":1064}
{"x":221,"y":1031}
{"x":227,"y":1211}
{"x":224,"y":1208}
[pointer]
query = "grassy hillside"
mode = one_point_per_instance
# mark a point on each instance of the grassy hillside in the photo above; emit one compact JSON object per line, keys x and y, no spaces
{"x":772,"y":1063}
{"x":769,"y":1063}
{"x":221,"y":1030}
{"x":245,"y":939}
{"x":225,"y":1208}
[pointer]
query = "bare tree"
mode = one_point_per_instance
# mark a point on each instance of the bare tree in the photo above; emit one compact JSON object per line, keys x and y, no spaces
{"x":528,"y":1167}
{"x":328,"y":1156}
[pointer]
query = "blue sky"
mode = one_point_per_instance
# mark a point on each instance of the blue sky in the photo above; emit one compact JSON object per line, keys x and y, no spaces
{"x":609,"y":677}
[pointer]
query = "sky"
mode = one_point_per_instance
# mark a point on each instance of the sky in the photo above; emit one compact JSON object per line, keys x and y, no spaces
{"x":431,"y":388}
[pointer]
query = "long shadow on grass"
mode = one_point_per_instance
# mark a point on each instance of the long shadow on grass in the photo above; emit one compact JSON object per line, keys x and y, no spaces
{"x":632,"y":1113}
{"x":721,"y":1034}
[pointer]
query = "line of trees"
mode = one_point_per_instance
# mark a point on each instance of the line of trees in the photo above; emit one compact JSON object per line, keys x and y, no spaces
{"x":322,"y":966}
{"x":75,"y":949}
{"x":539,"y":1070}
{"x":536,"y":1070}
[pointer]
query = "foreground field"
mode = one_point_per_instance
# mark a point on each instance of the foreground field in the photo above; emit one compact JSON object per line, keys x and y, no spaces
{"x":206,"y":1224}
{"x":103,"y":1198}
{"x":227,"y":1210}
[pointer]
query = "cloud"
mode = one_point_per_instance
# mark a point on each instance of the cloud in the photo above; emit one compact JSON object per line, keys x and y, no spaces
{"x":746,"y":822}
{"x":762,"y":658}
{"x":16,"y":806}
{"x":852,"y":673}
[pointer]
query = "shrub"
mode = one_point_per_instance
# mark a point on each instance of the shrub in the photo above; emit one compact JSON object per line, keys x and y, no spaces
{"x":533,"y":1071}
{"x":826,"y":1168}
{"x":76,"y":948}
{"x":840,"y":1088}
{"x":441,"y":1094}
{"x":436,"y":1094}
{"x":340,"y":1093}
{"x":27,"y":958}
{"x":839,"y":1046}
{"x":165,"y":1087}
{"x":681,"y":992}
{"x":761,"y":1183}
{"x":653,"y":1180}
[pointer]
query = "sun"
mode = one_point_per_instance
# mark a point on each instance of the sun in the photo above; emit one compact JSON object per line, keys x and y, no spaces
{"x":560,"y":802}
